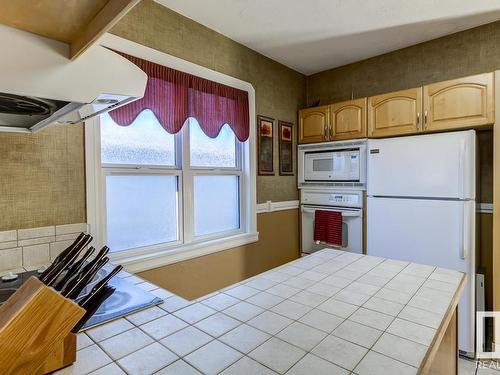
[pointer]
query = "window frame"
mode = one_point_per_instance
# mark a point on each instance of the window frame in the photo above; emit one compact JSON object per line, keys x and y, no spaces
{"x":188,"y":246}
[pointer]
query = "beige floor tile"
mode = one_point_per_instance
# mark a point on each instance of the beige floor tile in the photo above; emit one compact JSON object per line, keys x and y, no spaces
{"x":164,"y":326}
{"x":178,"y":368}
{"x":401,"y":349}
{"x":186,"y":340}
{"x":147,"y":360}
{"x":87,"y":360}
{"x":311,"y":364}
{"x":244,"y":338}
{"x":321,"y":320}
{"x":301,"y":335}
{"x":340,"y":352}
{"x":125,"y":343}
{"x":378,"y":364}
{"x":109,"y":329}
{"x":213,"y":357}
{"x":277,"y":355}
{"x":247,"y":366}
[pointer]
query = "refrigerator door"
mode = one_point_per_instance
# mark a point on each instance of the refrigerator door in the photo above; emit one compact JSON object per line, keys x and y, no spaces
{"x":434,"y":165}
{"x":435,"y":232}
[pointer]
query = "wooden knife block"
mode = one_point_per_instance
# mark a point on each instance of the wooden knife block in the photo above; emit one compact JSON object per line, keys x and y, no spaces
{"x":35,"y":330}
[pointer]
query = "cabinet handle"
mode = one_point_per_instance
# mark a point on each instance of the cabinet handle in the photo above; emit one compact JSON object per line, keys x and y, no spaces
{"x":418,"y":120}
{"x":425,"y":120}
{"x":326,"y":130}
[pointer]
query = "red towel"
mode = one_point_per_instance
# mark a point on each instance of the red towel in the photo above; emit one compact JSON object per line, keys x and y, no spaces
{"x":328,"y":227}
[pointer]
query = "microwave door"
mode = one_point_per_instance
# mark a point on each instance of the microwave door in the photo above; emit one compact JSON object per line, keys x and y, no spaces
{"x":318,"y":166}
{"x":332,"y":166}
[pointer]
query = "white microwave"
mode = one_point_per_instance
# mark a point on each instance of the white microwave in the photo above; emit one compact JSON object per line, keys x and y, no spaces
{"x":333,"y":163}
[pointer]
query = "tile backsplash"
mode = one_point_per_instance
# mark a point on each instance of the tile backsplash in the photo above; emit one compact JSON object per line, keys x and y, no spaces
{"x":34,"y":247}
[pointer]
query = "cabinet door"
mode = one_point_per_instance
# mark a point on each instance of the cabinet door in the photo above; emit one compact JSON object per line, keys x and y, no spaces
{"x":314,"y":124}
{"x":395,"y":113}
{"x":459,"y":103}
{"x":348,"y":120}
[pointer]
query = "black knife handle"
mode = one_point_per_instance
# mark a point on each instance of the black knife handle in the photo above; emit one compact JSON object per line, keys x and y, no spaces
{"x":49,"y":269}
{"x":93,"y":305}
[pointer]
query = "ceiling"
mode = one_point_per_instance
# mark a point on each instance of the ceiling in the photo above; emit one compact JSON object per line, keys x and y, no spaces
{"x":76,"y":22}
{"x":315,"y":35}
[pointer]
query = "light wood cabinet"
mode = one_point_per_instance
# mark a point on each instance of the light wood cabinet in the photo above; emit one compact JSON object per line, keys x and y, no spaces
{"x":314,"y":124}
{"x":395,"y":113}
{"x":462,"y":103}
{"x":459,"y":103}
{"x":348,"y":120}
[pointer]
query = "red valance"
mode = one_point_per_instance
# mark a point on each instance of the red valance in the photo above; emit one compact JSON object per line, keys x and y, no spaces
{"x":173,"y":96}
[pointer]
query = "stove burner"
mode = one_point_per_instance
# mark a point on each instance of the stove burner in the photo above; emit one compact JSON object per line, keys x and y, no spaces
{"x":24,"y":105}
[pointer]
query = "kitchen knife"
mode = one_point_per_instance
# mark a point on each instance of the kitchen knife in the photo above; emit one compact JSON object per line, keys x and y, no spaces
{"x":67,"y":262}
{"x":97,"y":287}
{"x":85,"y":279}
{"x":61,"y":261}
{"x":87,"y":268}
{"x":73,"y":270}
{"x":93,"y":304}
{"x":61,"y":256}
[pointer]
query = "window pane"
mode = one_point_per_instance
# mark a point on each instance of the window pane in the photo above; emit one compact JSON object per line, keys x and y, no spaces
{"x":216,"y":204}
{"x":143,"y":142}
{"x":211,"y":152}
{"x":141,"y":210}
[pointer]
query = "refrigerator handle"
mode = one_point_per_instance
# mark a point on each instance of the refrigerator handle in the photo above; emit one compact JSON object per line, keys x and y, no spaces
{"x":466,"y":231}
{"x":461,"y":169}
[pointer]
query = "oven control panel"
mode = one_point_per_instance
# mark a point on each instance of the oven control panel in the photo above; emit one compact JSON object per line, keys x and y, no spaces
{"x":328,"y":197}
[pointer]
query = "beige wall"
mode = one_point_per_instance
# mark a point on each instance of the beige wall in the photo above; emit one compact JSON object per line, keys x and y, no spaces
{"x":280,"y":91}
{"x":457,"y":55}
{"x":42,"y":178}
{"x":278,"y":244}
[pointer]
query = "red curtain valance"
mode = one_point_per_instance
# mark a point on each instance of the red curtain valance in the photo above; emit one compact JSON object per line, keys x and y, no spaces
{"x":173,"y":96}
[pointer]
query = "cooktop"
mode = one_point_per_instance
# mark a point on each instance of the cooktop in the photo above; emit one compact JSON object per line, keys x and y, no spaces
{"x":126,"y":299}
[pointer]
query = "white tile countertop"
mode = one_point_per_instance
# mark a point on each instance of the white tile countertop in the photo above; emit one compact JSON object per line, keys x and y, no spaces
{"x":332,"y":313}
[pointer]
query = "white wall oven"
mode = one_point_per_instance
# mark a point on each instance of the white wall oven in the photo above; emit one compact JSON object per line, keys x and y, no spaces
{"x":349,"y":203}
{"x":341,"y":164}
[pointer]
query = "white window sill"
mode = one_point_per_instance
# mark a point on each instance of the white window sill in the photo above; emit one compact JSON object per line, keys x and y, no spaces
{"x":138,"y":260}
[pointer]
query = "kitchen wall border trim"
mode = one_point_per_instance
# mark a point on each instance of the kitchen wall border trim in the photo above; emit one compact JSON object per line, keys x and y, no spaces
{"x":270,"y":206}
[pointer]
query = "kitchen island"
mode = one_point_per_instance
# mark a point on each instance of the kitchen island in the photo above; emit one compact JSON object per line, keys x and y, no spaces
{"x":328,"y":313}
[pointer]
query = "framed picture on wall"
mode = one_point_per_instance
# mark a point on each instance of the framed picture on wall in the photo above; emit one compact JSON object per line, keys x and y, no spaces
{"x":265,"y":134}
{"x":285,"y":148}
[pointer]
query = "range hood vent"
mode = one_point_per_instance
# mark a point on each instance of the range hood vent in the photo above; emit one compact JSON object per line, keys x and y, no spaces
{"x":40,"y":86}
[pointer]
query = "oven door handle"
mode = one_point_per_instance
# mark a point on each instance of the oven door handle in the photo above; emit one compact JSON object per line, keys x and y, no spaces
{"x":356,"y":213}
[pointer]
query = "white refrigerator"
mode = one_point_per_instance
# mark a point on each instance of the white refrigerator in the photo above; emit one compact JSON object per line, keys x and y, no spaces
{"x":421,"y":208}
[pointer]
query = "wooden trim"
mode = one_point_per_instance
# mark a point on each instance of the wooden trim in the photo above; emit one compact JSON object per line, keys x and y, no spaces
{"x":496,"y":199}
{"x":108,"y":16}
{"x":280,"y":126}
{"x":428,"y":366}
{"x":271,"y":120}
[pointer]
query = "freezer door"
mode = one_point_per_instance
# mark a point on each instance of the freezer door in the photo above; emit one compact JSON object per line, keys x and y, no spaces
{"x":434,"y":165}
{"x":434,"y":232}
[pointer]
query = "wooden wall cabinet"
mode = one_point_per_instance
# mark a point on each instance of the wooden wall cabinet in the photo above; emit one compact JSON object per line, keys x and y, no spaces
{"x":314,"y":124}
{"x":396,"y":113}
{"x":459,"y":103}
{"x":348,"y":120}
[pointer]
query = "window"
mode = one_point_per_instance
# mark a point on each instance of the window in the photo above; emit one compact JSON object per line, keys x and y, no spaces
{"x":169,"y":190}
